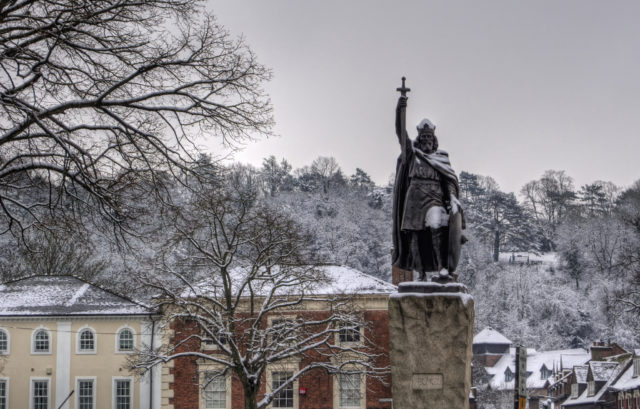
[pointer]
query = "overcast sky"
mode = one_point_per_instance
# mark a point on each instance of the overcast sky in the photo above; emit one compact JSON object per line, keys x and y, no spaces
{"x":514,"y":87}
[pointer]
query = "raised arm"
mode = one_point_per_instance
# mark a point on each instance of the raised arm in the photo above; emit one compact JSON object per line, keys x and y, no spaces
{"x":401,"y":128}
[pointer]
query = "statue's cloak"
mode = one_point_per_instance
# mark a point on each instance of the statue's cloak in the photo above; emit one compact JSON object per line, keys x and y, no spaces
{"x":440,"y":162}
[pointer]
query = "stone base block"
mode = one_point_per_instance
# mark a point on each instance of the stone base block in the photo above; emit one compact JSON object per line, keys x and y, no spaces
{"x":431,"y":338}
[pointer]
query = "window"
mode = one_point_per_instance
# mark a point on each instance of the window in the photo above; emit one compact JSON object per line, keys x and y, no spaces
{"x":636,"y":366}
{"x":349,"y":385}
{"x":4,"y":343}
{"x":122,"y":394}
{"x":621,"y":400}
{"x":349,"y":333}
{"x":209,"y":343}
{"x":86,"y":342}
{"x":215,"y":392}
{"x":508,"y":375}
{"x":284,"y":399}
{"x":41,"y":342}
{"x":591,"y":388}
{"x":40,"y":394}
{"x":574,"y":390}
{"x":85,"y":394}
{"x":545,"y":372}
{"x":4,"y":394}
{"x":125,"y":340}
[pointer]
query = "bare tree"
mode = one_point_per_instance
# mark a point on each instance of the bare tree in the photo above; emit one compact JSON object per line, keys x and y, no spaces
{"x":325,"y":169}
{"x":97,"y":92}
{"x":239,"y":275}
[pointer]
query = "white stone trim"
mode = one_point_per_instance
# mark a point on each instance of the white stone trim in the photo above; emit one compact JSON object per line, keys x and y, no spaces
{"x":336,"y":393}
{"x":117,"y":340}
{"x":113,"y":389}
{"x":33,"y":379}
{"x":285,"y":367}
{"x":203,"y":369}
{"x":63,"y":363}
{"x":155,"y":373}
{"x":8,"y":350}
{"x":93,"y":379}
{"x":33,"y":341}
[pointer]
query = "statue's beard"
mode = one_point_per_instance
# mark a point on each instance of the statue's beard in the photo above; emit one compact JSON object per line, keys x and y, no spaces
{"x":424,"y":147}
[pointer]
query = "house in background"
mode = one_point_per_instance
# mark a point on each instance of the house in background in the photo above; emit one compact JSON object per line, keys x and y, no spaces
{"x":492,"y":349}
{"x":626,"y":388}
{"x":65,"y":342}
{"x":589,"y":389}
{"x":600,"y":383}
{"x":489,"y":346}
{"x":184,"y":379}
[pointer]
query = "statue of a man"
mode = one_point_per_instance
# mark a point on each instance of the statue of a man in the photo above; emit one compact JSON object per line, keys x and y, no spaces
{"x":425,"y":203}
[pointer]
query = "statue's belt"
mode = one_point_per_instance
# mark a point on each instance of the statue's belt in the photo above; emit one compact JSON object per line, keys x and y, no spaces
{"x":421,"y":181}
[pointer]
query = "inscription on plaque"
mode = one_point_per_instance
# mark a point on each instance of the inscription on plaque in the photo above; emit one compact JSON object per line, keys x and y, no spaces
{"x":426,"y":381}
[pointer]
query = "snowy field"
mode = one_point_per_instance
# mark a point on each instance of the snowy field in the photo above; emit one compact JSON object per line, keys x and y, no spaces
{"x":523,"y":256}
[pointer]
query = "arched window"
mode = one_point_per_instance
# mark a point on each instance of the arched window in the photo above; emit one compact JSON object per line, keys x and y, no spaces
{"x":4,"y":341}
{"x":125,"y":341}
{"x":86,"y":342}
{"x":41,"y":343}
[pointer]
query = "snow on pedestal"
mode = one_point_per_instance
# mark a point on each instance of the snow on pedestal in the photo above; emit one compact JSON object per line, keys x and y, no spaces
{"x":431,"y":334}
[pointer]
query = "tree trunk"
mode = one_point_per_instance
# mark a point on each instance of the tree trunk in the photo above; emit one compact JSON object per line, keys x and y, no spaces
{"x":250,"y":397}
{"x":496,"y":245}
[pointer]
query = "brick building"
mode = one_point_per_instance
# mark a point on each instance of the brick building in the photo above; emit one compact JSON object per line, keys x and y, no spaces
{"x":626,"y":388}
{"x":606,"y":381}
{"x":185,"y":380}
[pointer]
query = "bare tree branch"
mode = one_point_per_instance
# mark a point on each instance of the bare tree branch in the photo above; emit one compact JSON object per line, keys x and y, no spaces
{"x":94,"y":89}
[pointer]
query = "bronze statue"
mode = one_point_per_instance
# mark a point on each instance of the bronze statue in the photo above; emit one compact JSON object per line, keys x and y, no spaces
{"x":427,"y":214}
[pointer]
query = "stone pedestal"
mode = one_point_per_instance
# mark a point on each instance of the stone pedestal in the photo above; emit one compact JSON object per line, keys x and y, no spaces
{"x":431,"y":334}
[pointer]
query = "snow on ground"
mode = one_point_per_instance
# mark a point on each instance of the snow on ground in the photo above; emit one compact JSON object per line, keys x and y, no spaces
{"x":524,"y":256}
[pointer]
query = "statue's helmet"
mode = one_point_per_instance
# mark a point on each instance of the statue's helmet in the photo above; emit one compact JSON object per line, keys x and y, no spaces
{"x":425,"y":123}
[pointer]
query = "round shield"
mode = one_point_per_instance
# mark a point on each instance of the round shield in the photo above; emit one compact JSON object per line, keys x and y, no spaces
{"x":455,"y":240}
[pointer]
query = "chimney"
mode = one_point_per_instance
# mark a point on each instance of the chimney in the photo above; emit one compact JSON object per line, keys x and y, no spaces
{"x":600,"y":351}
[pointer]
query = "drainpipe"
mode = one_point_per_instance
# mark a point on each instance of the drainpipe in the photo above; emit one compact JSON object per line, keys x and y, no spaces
{"x":153,"y":331}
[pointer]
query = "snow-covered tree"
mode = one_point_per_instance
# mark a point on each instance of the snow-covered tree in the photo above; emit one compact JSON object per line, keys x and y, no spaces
{"x":276,"y":176}
{"x":361,"y":180}
{"x":550,"y":200}
{"x":96,"y":93}
{"x":496,"y":217}
{"x":240,"y":273}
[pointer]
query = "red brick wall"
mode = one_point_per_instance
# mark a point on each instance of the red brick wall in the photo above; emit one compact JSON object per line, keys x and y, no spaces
{"x":318,"y":384}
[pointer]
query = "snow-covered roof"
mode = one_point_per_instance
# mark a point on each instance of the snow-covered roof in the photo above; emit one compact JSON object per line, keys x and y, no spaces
{"x":347,"y":280}
{"x":627,"y":381}
{"x":581,"y":372}
{"x":584,"y":397}
{"x":602,"y":371}
{"x":535,"y":362}
{"x":314,"y":280}
{"x":62,"y":295}
{"x":490,"y":336}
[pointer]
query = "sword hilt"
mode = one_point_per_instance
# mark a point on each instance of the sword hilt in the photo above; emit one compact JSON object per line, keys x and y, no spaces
{"x":403,"y":90}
